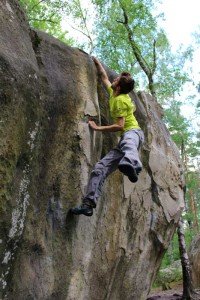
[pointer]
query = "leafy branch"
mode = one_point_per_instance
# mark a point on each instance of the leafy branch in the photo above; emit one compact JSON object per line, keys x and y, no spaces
{"x":138,"y":54}
{"x":83,"y":19}
{"x":35,"y":5}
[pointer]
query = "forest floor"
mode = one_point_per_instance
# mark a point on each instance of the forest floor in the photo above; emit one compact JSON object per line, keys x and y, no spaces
{"x":174,"y":293}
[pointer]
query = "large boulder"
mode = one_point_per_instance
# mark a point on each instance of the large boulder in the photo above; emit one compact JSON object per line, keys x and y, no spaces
{"x":194,"y":256}
{"x":47,"y":92}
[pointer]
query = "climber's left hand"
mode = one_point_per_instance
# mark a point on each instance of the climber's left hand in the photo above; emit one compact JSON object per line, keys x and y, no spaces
{"x":93,"y":125}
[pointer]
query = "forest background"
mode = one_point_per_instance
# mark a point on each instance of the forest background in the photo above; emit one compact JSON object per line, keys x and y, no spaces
{"x":129,"y":35}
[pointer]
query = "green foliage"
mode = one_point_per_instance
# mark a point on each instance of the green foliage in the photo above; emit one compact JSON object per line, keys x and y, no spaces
{"x":81,"y":16}
{"x":193,"y":193}
{"x":112,"y":41}
{"x":177,"y":124}
{"x":46,"y":15}
{"x":114,"y":48}
{"x":182,"y":133}
{"x":170,"y":269}
{"x":168,"y":275}
{"x":188,"y":143}
{"x":172,"y":254}
{"x":108,"y":37}
{"x":170,"y":76}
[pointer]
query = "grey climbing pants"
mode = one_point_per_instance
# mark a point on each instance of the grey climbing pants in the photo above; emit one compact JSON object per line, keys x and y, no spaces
{"x":126,"y":152}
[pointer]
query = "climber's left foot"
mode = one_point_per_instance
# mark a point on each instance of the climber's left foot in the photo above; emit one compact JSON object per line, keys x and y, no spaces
{"x":83,"y":209}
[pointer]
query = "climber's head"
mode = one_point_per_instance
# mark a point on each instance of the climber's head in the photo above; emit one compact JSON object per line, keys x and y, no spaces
{"x":123,"y":84}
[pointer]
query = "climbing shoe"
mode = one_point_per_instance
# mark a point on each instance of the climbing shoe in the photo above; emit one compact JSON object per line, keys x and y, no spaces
{"x":129,"y":171}
{"x":83,"y":209}
{"x":138,"y":170}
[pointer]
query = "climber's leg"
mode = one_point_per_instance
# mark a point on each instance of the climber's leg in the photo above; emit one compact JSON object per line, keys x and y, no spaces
{"x":102,"y":169}
{"x":83,"y":209}
{"x":130,"y":163}
{"x":125,"y":157}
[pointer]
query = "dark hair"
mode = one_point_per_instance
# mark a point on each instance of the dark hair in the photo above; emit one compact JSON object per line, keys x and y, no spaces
{"x":126,"y":83}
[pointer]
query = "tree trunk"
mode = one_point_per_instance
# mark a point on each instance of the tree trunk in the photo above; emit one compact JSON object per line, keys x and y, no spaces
{"x":188,"y":289}
{"x":193,"y":210}
{"x":151,"y":85}
{"x":138,"y":54}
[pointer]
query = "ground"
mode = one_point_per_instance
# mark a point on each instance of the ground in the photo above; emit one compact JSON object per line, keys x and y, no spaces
{"x":174,"y":293}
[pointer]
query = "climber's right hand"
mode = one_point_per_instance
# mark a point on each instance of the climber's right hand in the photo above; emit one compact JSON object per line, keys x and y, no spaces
{"x":95,"y":60}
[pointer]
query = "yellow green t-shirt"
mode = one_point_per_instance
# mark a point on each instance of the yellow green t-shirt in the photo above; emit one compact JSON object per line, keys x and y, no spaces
{"x":122,"y":106}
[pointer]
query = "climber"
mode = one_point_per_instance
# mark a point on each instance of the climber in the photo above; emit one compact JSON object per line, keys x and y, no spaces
{"x":125,"y":156}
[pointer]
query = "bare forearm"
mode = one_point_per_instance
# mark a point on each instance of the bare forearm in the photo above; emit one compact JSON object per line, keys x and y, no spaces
{"x":118,"y":126}
{"x":100,"y":69}
{"x":109,"y":128}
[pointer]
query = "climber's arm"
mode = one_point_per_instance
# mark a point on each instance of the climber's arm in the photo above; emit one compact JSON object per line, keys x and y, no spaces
{"x":102,"y":72}
{"x":118,"y":126}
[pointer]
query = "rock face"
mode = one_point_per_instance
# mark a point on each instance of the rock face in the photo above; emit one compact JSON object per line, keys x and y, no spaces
{"x":194,"y":255}
{"x":47,"y":92}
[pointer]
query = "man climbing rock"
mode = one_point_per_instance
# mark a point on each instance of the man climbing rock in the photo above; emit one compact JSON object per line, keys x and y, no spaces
{"x":125,"y":156}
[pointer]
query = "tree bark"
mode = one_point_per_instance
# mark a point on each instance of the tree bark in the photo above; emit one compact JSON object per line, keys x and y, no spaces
{"x":188,"y":289}
{"x":193,"y":210}
{"x":138,"y":55}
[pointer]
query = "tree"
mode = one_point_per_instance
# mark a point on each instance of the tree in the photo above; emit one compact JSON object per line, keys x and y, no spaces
{"x":81,"y":16}
{"x":183,"y":137}
{"x":189,"y":146}
{"x":46,"y":15}
{"x":125,"y":35}
{"x":188,"y":289}
{"x":128,"y":38}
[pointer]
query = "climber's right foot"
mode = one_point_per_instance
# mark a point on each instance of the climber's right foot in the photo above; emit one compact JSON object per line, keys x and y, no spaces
{"x":83,"y":209}
{"x":129,"y":171}
{"x":138,"y":170}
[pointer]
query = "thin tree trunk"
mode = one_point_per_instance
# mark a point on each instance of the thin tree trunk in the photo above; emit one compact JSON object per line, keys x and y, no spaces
{"x":193,"y":209}
{"x":171,"y":252}
{"x":188,"y":289}
{"x":138,"y":55}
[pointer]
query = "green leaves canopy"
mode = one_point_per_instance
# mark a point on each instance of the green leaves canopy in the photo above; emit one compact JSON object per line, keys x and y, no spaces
{"x":114,"y":47}
{"x":46,"y":15}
